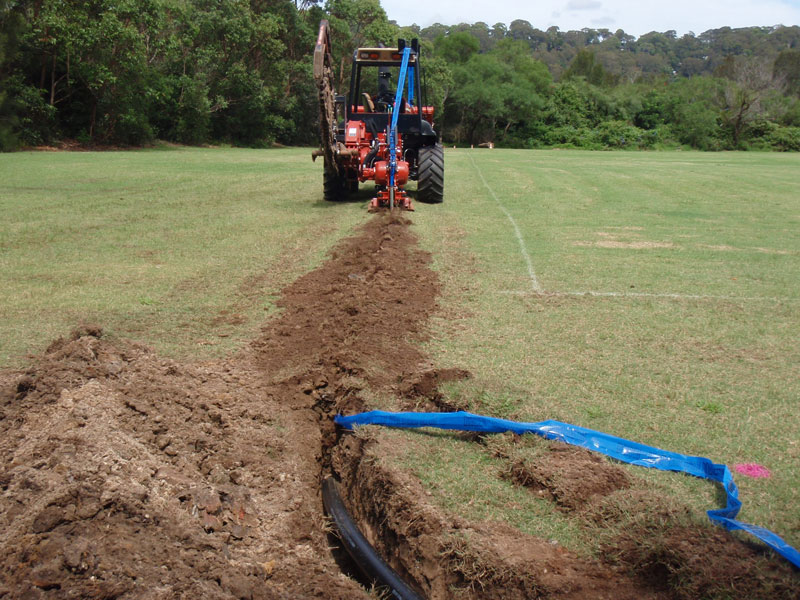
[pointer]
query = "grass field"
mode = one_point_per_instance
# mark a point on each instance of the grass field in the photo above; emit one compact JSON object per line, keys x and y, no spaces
{"x":654,"y":296}
{"x":184,"y":250}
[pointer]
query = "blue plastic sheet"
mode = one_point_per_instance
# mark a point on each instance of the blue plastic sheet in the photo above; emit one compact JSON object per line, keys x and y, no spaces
{"x":623,"y":450}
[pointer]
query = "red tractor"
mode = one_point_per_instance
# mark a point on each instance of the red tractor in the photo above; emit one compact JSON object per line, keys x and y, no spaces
{"x":375,"y":132}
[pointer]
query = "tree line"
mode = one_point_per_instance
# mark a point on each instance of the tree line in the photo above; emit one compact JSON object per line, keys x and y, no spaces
{"x":128,"y":72}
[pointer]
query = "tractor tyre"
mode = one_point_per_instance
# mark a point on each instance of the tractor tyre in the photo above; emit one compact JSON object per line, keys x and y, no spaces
{"x":334,"y":187}
{"x":430,"y":181}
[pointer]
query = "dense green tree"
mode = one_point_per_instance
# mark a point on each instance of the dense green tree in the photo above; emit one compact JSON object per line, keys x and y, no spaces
{"x":787,"y":70}
{"x":93,"y":61}
{"x":438,"y":83}
{"x":194,"y":71}
{"x":585,"y":65}
{"x":11,"y":30}
{"x":693,"y":119}
{"x":521,"y":30}
{"x":477,"y":101}
{"x":479,"y":31}
{"x":652,"y":111}
{"x":126,"y":71}
{"x":499,"y":31}
{"x":747,"y":83}
{"x":457,"y":48}
{"x":432,"y":32}
{"x":525,"y":85}
{"x":498,"y":92}
{"x":356,"y":24}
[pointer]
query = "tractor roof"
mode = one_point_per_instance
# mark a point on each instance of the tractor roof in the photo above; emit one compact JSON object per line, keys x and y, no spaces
{"x":382,"y":57}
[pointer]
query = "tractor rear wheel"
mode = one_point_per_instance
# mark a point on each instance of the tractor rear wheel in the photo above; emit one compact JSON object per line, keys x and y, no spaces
{"x":430,"y":181}
{"x":334,"y":187}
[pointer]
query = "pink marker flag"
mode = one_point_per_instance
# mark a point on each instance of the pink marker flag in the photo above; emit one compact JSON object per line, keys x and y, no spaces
{"x":753,"y":470}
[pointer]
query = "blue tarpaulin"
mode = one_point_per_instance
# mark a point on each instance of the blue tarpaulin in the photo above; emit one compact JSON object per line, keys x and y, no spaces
{"x":620,"y":449}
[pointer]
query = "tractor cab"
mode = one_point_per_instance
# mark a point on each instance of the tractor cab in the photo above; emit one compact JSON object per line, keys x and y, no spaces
{"x":381,"y":130}
{"x":373,"y":85}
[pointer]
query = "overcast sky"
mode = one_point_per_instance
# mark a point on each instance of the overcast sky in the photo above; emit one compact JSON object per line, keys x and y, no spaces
{"x":636,"y":17}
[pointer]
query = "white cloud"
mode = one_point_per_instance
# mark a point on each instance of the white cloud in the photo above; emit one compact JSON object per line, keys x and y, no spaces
{"x":604,"y":22}
{"x":575,"y":5}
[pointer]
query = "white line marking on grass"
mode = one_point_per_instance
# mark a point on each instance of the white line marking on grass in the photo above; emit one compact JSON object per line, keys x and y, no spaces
{"x":537,"y":288}
{"x":648,"y":295}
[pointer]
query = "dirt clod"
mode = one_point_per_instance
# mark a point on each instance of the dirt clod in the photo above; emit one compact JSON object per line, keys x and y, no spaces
{"x":422,"y":389}
{"x":571,"y":476}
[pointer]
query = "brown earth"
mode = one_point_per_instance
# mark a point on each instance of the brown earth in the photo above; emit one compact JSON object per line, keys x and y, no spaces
{"x":127,"y":475}
{"x":571,"y":477}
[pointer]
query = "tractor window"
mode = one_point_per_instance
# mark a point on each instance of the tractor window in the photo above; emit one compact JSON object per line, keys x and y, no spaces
{"x":380,"y":84}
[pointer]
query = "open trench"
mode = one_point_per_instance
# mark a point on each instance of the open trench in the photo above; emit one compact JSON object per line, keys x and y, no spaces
{"x":126,"y":475}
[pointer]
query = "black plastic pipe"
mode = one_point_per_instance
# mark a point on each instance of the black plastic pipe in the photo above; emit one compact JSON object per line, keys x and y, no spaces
{"x":357,"y":546}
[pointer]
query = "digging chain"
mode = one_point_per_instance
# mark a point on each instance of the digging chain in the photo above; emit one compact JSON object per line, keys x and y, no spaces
{"x":327,"y":119}
{"x":323,"y":74}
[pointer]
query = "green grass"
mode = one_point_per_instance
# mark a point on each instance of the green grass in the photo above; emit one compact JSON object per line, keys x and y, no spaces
{"x":713,"y":376}
{"x":467,"y":481}
{"x":184,"y":250}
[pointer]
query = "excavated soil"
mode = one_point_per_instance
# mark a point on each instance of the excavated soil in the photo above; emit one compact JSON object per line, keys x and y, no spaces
{"x":127,"y":475}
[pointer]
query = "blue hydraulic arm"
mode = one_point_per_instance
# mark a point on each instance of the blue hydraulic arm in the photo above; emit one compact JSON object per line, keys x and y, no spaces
{"x":401,"y":84}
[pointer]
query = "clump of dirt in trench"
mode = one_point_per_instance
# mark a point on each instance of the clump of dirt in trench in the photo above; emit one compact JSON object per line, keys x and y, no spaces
{"x":126,"y":475}
{"x":569,"y":476}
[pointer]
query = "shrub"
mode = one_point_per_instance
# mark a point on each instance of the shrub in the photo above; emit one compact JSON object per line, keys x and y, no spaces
{"x":571,"y":137}
{"x":133,"y":128}
{"x":618,"y":134}
{"x":785,"y":139}
{"x":194,"y":112}
{"x":36,"y":118}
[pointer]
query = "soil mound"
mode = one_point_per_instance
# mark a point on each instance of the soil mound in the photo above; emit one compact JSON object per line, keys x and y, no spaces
{"x":570,"y":476}
{"x":422,"y":389}
{"x":126,"y":475}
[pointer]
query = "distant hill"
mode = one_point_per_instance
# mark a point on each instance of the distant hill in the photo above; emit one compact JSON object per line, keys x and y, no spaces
{"x":627,"y":56}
